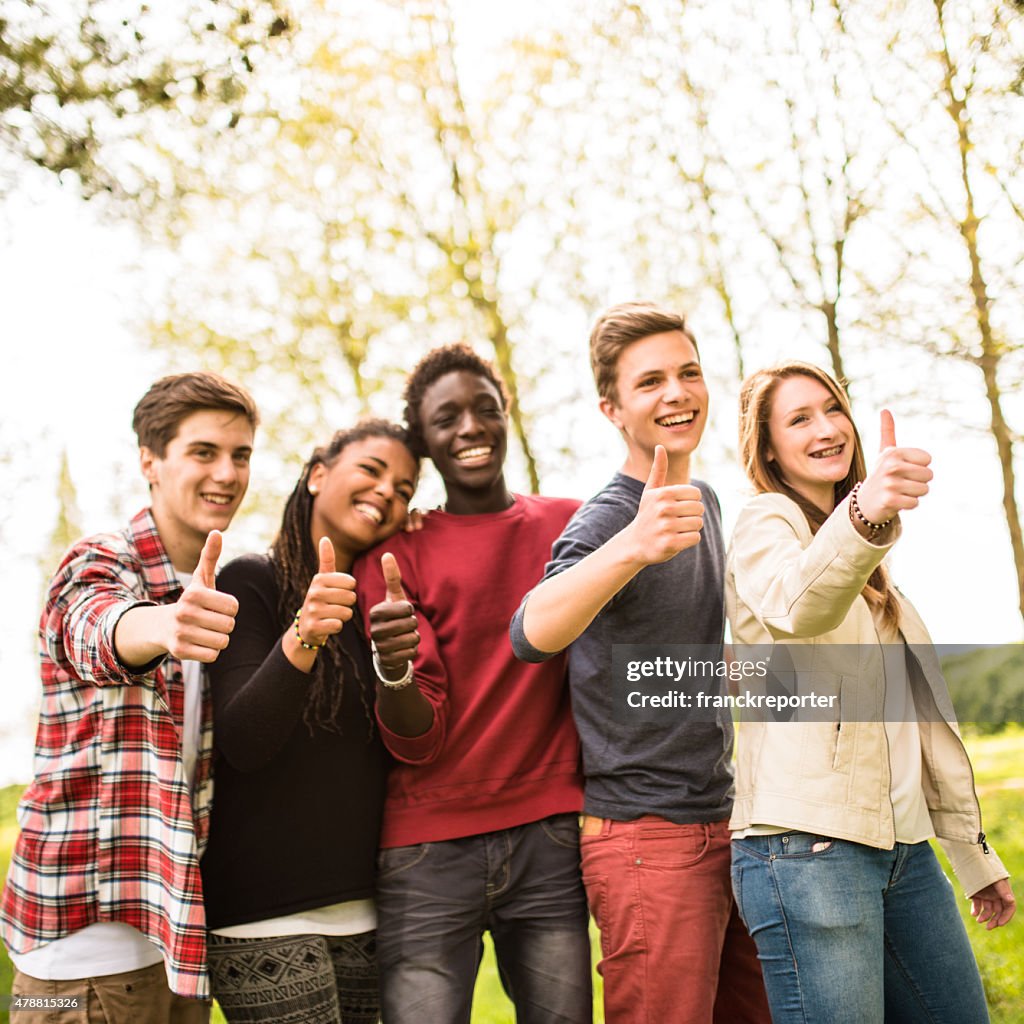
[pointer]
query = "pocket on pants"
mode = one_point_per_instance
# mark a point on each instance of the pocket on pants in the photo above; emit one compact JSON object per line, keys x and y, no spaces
{"x":666,"y":845}
{"x":393,"y":860}
{"x":562,"y":829}
{"x":793,"y":845}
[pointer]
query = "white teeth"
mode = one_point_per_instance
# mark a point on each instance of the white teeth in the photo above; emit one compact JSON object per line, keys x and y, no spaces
{"x":826,"y":453}
{"x":675,"y":421}
{"x":473,"y":453}
{"x":217,"y":499}
{"x":370,"y":511}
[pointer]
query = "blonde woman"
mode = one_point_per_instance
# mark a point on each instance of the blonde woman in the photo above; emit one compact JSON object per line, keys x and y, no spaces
{"x":832,"y":870}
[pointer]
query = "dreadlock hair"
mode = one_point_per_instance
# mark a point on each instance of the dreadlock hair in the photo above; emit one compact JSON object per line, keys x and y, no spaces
{"x":295,"y":562}
{"x":432,"y":367}
{"x":756,"y":395}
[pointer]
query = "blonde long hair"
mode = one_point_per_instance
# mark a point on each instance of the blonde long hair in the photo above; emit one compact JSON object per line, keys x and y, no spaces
{"x":756,"y":396}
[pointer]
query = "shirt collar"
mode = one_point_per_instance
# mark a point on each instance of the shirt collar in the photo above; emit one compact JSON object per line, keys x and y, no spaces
{"x":157,"y":571}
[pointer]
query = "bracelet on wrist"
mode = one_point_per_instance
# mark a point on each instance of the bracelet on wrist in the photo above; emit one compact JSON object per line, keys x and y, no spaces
{"x":305,"y":646}
{"x":856,"y":516}
{"x":391,"y":684}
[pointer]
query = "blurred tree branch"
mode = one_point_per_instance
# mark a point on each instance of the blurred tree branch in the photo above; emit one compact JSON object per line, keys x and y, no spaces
{"x":71,"y":69}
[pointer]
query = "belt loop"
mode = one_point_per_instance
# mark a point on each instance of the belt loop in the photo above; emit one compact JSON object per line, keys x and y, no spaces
{"x":606,"y":826}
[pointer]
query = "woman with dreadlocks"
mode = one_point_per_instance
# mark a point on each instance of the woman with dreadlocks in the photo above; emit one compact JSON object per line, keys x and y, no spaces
{"x":288,"y":873}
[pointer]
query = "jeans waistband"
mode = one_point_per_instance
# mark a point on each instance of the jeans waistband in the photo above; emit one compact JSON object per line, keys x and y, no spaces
{"x":591,"y":825}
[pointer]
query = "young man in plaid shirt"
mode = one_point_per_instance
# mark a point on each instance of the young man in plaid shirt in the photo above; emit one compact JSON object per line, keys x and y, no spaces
{"x":103,"y":899}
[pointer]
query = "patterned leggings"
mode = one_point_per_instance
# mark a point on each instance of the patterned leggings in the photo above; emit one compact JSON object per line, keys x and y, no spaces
{"x":296,"y":979}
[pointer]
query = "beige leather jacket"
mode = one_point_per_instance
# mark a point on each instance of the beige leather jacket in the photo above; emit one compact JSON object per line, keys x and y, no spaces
{"x":784,"y":585}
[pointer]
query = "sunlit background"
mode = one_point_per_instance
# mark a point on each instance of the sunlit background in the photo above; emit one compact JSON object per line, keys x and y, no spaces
{"x":307,"y":196}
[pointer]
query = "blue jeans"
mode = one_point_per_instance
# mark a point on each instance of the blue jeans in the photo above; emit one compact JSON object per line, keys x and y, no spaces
{"x":853,"y":935}
{"x":435,"y":901}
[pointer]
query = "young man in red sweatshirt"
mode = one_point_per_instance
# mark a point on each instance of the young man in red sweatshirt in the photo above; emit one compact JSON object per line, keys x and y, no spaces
{"x":481,"y":822}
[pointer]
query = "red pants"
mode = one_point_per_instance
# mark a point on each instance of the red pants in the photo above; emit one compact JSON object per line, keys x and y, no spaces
{"x":674,"y":950}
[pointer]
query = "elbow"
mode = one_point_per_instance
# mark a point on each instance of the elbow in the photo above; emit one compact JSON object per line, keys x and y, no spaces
{"x":800,"y":627}
{"x":246,"y":756}
{"x":246,"y":745}
{"x":525,"y":651}
{"x":422,"y":749}
{"x":522,"y":648}
{"x":411,"y":752}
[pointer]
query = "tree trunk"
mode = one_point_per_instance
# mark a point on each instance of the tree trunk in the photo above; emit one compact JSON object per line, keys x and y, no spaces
{"x":991,"y":353}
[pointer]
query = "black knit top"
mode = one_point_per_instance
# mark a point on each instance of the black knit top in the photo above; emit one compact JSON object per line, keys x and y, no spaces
{"x":296,"y":816}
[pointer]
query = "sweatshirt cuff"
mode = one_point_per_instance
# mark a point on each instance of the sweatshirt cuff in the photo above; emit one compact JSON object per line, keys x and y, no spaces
{"x":117,"y":670}
{"x":413,"y":749}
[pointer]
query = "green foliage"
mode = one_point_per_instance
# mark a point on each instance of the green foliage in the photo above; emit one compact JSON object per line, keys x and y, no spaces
{"x":70,"y":71}
{"x":987,"y":686}
{"x":999,"y":774}
{"x":67,"y":526}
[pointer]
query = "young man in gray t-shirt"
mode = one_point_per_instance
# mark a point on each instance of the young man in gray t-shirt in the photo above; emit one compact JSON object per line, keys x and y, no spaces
{"x":642,"y":562}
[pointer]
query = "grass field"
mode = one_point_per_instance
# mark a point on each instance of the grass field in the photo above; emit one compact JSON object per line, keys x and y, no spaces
{"x":999,"y":770}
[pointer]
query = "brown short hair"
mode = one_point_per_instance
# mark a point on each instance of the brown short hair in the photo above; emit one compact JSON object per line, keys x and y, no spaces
{"x":172,"y":399}
{"x":620,"y":326}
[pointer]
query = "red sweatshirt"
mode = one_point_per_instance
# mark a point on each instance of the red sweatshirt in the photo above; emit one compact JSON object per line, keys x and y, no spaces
{"x":502,"y":750}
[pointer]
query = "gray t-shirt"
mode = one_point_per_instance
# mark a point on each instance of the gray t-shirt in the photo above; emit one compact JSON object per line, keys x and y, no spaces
{"x":672,"y":766}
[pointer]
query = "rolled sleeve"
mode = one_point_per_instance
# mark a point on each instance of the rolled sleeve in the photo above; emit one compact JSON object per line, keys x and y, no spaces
{"x":92,"y":590}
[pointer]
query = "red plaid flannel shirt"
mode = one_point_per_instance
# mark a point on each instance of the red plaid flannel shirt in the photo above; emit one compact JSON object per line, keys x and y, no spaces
{"x":109,"y":828}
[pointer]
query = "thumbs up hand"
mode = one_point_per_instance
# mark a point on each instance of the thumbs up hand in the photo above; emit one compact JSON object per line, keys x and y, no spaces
{"x":330,"y":600}
{"x":393,"y":623}
{"x":898,"y":480}
{"x":199,"y":623}
{"x":669,"y":519}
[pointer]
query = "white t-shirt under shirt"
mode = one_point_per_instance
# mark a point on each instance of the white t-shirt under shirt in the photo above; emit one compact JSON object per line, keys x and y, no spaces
{"x":352,"y":917}
{"x":911,"y":819}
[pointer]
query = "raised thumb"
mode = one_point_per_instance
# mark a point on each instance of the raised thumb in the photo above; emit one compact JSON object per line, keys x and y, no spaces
{"x":206,"y":570}
{"x":888,"y":431}
{"x":392,"y":577}
{"x":659,"y":469}
{"x":326,"y":552}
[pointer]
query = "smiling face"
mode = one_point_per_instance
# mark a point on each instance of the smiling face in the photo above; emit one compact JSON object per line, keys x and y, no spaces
{"x":362,"y":498}
{"x":660,"y":398}
{"x":198,"y":483}
{"x":465,"y":429}
{"x":810,"y":438}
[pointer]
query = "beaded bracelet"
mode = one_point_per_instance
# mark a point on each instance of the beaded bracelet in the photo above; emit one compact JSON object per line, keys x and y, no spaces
{"x":308,"y":647}
{"x":873,"y":528}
